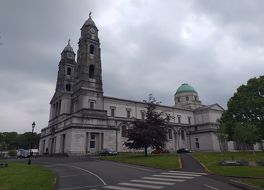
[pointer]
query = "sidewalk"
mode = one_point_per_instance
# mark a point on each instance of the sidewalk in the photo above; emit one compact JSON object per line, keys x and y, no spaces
{"x":190,"y":164}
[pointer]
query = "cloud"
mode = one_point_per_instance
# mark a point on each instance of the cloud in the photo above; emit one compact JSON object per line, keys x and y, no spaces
{"x":147,"y":46}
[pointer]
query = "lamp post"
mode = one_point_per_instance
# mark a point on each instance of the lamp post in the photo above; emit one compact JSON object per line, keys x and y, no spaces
{"x":31,"y":144}
{"x":33,"y":126}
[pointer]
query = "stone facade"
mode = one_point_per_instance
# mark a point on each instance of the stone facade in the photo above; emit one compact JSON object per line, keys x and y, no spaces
{"x":84,"y":121}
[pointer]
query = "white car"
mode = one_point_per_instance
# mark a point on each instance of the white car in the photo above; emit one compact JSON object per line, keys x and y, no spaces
{"x":22,"y":153}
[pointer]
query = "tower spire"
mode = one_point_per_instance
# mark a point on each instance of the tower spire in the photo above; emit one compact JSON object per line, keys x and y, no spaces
{"x":89,"y":21}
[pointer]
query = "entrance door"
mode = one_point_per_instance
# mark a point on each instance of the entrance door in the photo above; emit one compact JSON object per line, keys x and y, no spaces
{"x":93,"y":143}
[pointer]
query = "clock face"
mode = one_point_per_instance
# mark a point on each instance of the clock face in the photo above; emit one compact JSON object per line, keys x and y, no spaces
{"x":92,"y":30}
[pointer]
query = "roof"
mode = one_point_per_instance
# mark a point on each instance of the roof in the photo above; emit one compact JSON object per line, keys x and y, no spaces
{"x":212,"y":107}
{"x":89,"y":21}
{"x":68,"y":47}
{"x":185,"y":88}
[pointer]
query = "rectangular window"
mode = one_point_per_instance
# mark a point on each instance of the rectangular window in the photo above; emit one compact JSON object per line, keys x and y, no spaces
{"x":92,"y":141}
{"x":128,"y":112}
{"x":59,"y":107}
{"x":182,"y":135}
{"x":170,"y":134}
{"x":197,"y":145}
{"x":179,"y":118}
{"x":189,"y":120}
{"x":92,"y":103}
{"x":92,"y":136}
{"x":124,"y":131}
{"x":142,"y":114}
{"x":196,"y":128}
{"x":92,"y":144}
{"x":112,"y":111}
{"x":187,"y":98}
{"x":68,"y":71}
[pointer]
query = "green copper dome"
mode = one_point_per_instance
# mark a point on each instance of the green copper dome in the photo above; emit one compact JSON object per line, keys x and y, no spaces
{"x":185,"y":88}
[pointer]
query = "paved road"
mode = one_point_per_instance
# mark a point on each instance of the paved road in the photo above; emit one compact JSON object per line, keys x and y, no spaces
{"x":87,"y":173}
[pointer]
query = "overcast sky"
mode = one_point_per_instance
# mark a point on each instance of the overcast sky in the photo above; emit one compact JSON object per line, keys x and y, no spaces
{"x":148,"y":46}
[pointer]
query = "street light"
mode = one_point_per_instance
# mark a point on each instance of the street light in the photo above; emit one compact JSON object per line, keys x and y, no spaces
{"x":33,"y":126}
{"x":31,"y":144}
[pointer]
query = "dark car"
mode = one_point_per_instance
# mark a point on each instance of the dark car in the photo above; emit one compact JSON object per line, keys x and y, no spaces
{"x":183,"y":150}
{"x":108,"y":152}
{"x":22,"y":153}
{"x":160,"y":151}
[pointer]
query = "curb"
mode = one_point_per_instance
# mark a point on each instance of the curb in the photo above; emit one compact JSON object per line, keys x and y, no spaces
{"x":205,"y":168}
{"x":180,"y":162}
{"x":55,"y":183}
{"x":243,"y":185}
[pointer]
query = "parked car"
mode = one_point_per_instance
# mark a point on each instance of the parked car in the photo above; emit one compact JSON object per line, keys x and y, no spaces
{"x":22,"y":153}
{"x":160,"y":151}
{"x":183,"y":150}
{"x":108,"y":152}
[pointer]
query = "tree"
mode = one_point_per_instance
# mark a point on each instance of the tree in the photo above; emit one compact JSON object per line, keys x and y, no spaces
{"x":12,"y":140}
{"x":151,"y":131}
{"x":246,"y":107}
{"x":221,"y":134}
{"x":28,"y":139}
{"x":245,"y":135}
{"x":2,"y":141}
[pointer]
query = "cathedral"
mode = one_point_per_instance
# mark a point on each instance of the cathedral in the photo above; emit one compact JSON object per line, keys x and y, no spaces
{"x":83,"y":121}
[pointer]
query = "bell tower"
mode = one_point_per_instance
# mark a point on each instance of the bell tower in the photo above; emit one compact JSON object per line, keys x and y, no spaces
{"x":61,"y":101}
{"x":88,"y":90}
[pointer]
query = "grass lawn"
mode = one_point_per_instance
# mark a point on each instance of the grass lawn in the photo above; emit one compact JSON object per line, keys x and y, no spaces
{"x":211,"y":160}
{"x":162,"y":161}
{"x":18,"y":176}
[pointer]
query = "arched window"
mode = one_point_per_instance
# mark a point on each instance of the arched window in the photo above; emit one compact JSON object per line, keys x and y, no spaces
{"x":91,"y":71}
{"x":68,"y":87}
{"x":124,"y":131}
{"x":91,"y":49}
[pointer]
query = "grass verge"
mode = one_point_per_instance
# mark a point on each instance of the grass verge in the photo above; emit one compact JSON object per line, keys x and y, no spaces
{"x":211,"y":159}
{"x":162,"y":161}
{"x":19,"y":176}
{"x":255,"y":182}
